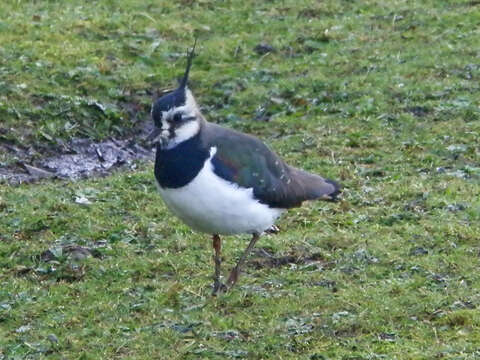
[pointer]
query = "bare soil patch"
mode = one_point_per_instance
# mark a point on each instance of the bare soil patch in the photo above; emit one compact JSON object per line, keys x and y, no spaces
{"x":79,"y":158}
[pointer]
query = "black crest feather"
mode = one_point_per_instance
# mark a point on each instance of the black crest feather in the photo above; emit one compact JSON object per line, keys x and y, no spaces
{"x":190,"y":56}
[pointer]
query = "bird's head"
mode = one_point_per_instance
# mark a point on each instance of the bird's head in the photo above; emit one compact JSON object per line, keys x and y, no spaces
{"x":176,"y":115}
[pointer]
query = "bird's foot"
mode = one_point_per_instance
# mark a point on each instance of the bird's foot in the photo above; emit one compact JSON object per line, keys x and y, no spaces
{"x":232,"y":279}
{"x":274,"y":229}
{"x":219,"y":288}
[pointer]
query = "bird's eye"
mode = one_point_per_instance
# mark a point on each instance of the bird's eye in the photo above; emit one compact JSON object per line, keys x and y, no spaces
{"x":177,"y":117}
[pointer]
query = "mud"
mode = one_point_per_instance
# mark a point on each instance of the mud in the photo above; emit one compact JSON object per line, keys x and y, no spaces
{"x":80,"y":158}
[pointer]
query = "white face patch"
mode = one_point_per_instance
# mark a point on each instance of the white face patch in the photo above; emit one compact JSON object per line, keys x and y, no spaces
{"x":184,"y":131}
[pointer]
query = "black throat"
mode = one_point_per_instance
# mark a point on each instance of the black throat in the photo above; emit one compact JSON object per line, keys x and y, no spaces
{"x":178,"y":166}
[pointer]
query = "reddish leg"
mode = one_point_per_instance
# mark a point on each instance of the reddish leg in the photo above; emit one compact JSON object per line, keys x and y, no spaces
{"x":232,"y":279}
{"x":217,"y":246}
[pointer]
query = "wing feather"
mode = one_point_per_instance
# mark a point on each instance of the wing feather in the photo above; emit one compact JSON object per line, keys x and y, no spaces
{"x":247,"y":162}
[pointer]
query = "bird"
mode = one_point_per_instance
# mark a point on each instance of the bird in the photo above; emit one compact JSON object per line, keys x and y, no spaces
{"x":220,"y":181}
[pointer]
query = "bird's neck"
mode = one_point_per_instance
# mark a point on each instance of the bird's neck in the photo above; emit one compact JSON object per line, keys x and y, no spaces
{"x":177,"y":166}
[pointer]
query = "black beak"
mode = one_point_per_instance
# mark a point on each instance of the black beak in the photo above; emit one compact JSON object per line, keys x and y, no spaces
{"x":153,"y":135}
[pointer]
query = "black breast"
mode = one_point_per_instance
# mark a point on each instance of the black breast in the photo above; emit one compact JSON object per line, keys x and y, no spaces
{"x":177,"y":167}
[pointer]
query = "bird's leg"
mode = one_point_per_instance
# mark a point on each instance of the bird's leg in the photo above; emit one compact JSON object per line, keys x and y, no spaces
{"x":217,"y":246}
{"x":232,"y":279}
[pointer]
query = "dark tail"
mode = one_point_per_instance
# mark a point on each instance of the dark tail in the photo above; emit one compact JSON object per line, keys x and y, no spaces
{"x":316,"y":187}
{"x":337,"y":190}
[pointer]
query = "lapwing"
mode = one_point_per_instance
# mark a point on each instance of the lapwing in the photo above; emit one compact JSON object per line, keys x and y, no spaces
{"x":220,"y":181}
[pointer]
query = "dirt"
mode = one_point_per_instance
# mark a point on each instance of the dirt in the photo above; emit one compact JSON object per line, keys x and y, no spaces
{"x":418,"y":111}
{"x":79,"y":158}
{"x":264,"y":48}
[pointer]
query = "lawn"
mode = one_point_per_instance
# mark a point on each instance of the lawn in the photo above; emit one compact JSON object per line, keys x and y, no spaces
{"x":381,"y":95}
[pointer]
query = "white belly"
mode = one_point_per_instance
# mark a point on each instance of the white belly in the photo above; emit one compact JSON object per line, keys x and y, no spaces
{"x":213,"y":205}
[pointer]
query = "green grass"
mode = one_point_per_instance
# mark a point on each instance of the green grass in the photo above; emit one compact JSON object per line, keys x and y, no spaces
{"x":383,"y":96}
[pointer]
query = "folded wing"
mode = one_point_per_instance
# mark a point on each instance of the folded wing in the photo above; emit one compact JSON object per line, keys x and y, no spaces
{"x":247,"y":162}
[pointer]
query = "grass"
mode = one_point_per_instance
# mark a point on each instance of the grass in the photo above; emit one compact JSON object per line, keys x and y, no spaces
{"x":383,"y":96}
